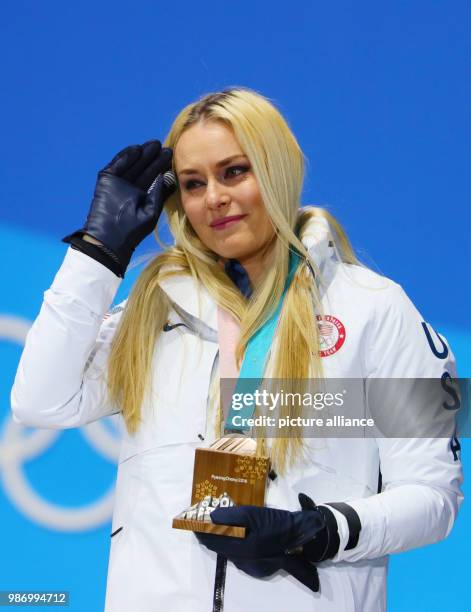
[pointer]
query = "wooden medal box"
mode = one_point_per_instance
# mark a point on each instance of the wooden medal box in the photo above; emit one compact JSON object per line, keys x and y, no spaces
{"x":228,"y":466}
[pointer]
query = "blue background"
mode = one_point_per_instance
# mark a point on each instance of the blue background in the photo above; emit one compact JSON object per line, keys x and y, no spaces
{"x":378,"y":95}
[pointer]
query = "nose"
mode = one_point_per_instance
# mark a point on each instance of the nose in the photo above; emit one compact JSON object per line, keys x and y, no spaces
{"x":216,"y":196}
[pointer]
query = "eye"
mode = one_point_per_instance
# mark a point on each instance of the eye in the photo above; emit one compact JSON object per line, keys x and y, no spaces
{"x":231,"y":172}
{"x":189,"y":185}
{"x":238,"y":169}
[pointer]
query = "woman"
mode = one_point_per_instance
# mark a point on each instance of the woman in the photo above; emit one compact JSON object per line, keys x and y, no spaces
{"x":154,"y":360}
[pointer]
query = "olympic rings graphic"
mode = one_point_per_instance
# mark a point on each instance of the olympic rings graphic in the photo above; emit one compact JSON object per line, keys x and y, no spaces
{"x":17,"y":447}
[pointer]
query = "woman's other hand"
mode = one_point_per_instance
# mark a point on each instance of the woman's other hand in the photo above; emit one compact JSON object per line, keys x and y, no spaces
{"x":124,"y":209}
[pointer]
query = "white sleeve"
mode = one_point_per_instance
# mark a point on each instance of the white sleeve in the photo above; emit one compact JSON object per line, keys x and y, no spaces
{"x":61,"y":377}
{"x":421,"y":477}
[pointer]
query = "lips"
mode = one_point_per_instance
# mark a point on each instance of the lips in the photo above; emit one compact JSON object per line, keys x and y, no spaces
{"x":225,"y":221}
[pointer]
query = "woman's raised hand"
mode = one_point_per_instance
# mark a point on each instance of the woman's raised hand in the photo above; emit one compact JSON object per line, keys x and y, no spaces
{"x":124,"y":209}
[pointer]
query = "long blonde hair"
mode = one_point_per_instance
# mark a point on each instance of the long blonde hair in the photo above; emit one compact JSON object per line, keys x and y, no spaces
{"x":278,"y":165}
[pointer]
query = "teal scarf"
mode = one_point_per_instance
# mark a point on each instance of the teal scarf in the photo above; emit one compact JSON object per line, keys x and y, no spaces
{"x":256,"y":354}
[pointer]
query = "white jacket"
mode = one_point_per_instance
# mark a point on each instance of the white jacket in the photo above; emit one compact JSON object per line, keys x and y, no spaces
{"x":60,"y":383}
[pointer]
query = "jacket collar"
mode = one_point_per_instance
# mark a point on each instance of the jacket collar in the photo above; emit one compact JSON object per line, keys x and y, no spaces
{"x":194,"y":303}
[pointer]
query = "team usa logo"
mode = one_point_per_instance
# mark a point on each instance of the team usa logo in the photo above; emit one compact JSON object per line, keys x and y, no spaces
{"x":331,"y":334}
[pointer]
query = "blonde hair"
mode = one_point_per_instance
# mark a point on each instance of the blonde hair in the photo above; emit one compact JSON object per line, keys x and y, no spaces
{"x":278,"y":165}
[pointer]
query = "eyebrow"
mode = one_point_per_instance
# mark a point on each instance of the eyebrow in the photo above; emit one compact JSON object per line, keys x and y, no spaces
{"x":218,"y":165}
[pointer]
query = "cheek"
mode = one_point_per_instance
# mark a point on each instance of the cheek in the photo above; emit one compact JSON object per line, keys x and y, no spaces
{"x":249,"y":193}
{"x":193,"y":210}
{"x":252,"y":199}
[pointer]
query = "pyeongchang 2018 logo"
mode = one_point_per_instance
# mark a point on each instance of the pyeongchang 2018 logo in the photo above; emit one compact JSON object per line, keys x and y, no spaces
{"x":17,"y":447}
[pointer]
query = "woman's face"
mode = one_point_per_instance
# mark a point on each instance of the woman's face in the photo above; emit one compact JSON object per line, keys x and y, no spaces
{"x":217,"y":183}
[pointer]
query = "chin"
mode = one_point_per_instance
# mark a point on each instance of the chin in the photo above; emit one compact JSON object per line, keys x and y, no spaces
{"x":226,"y":255}
{"x":228,"y":251}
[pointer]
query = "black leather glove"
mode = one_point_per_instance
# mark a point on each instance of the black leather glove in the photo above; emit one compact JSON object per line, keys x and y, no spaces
{"x":325,"y":544}
{"x":269,"y":531}
{"x":274,"y":541}
{"x":122,"y":212}
{"x":295,"y":565}
{"x":279,"y":539}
